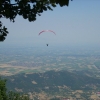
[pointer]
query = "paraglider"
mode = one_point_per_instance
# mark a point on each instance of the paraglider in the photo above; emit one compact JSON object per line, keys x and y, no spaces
{"x":47,"y":44}
{"x":47,"y":31}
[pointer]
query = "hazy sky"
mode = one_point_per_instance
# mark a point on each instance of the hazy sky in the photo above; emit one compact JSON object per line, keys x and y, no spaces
{"x":77,"y":24}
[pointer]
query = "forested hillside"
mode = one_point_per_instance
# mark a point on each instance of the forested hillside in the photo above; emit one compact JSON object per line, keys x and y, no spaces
{"x":51,"y":81}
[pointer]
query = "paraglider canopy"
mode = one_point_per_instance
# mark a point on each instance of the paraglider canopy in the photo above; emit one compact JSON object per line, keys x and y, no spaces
{"x":47,"y":31}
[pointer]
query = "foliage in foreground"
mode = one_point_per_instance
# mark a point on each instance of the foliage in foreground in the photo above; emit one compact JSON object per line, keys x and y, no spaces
{"x":4,"y":95}
{"x":28,"y":9}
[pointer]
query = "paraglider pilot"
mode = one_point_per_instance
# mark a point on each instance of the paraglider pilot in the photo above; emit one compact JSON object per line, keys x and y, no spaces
{"x":47,"y":44}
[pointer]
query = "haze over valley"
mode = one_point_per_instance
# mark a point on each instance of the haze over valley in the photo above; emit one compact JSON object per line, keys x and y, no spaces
{"x":52,"y":72}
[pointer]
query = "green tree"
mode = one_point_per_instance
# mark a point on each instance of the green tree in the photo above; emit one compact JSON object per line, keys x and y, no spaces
{"x":28,"y":9}
{"x":4,"y":95}
{"x":3,"y":89}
